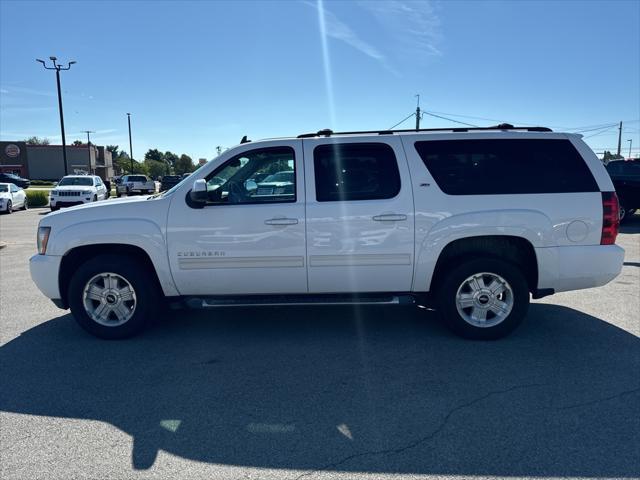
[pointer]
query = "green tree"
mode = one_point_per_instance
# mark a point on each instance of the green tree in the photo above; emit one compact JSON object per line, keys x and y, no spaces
{"x":113,"y":149}
{"x":77,"y":143}
{"x":171,"y":158}
{"x":155,"y":168}
{"x":154,"y":154}
{"x":608,"y":156}
{"x":37,"y":141}
{"x":184,"y":164}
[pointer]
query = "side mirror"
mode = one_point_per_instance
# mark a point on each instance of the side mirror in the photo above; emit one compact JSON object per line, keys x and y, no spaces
{"x":198,"y":193}
{"x":250,"y":185}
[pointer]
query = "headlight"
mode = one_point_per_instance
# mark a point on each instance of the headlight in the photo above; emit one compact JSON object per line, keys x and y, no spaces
{"x":54,"y":192}
{"x":86,"y":192}
{"x":43,"y":239}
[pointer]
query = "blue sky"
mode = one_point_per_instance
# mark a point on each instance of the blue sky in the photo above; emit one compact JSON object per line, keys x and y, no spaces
{"x":199,"y":74}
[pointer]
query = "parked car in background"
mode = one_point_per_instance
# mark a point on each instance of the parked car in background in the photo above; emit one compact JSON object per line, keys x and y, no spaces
{"x":473,"y":222}
{"x":135,"y":184}
{"x":277,"y":184}
{"x":12,"y":197}
{"x":169,"y":181}
{"x":15,"y":179}
{"x":625,"y":175}
{"x":76,"y":190}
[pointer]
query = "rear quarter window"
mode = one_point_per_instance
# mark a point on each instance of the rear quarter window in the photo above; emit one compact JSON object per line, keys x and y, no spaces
{"x":510,"y":166}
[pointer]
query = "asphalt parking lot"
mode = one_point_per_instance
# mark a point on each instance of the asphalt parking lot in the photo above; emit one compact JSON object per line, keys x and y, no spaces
{"x":332,"y":392}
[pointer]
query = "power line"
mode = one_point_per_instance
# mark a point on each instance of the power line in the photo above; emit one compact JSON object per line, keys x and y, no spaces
{"x":449,"y":119}
{"x":402,"y":121}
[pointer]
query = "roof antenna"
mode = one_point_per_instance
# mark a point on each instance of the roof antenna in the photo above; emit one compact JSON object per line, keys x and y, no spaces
{"x":244,"y":140}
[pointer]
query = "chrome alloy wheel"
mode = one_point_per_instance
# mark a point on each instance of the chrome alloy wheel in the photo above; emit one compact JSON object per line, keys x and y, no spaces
{"x":109,"y":299}
{"x":484,"y":299}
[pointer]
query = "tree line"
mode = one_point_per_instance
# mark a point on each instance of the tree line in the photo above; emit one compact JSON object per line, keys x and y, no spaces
{"x":155,"y":164}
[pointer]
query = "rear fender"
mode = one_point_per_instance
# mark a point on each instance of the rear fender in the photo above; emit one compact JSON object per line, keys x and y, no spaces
{"x":531,"y":225}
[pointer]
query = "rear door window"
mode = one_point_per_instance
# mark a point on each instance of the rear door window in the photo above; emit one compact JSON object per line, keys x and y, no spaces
{"x":510,"y":166}
{"x":355,"y":171}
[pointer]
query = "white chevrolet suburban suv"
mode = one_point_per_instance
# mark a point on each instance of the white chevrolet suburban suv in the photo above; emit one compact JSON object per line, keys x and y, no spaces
{"x":470,"y":221}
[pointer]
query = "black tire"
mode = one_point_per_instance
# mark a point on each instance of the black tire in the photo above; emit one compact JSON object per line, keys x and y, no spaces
{"x":446,"y":294}
{"x":54,"y":209}
{"x":9,"y":207}
{"x":25,"y":205}
{"x":118,"y":194}
{"x":148,"y":297}
{"x":95,"y":198}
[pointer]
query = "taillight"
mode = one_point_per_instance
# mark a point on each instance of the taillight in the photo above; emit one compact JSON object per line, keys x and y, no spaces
{"x":610,"y":218}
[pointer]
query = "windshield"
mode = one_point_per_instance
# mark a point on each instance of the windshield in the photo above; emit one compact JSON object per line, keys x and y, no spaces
{"x":4,"y":188}
{"x":81,"y":181}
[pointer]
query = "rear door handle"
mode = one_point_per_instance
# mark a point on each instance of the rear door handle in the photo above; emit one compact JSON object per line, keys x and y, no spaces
{"x":390,"y":217}
{"x":281,"y":221}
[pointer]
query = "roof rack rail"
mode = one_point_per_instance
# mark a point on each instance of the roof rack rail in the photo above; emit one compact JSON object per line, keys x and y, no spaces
{"x":502,"y":127}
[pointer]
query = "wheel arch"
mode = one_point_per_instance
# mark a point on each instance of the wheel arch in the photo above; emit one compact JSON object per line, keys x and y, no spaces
{"x":516,"y":250}
{"x":78,"y":255}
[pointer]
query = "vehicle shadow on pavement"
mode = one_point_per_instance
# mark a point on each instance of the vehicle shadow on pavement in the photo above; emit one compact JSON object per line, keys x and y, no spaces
{"x":353,"y":389}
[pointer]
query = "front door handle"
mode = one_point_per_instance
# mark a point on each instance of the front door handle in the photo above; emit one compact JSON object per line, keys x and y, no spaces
{"x":390,"y":217}
{"x":281,"y":221}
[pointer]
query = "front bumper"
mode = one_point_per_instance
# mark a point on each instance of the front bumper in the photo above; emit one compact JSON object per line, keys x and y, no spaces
{"x":44,"y":273}
{"x":577,"y":267}
{"x":57,"y":202}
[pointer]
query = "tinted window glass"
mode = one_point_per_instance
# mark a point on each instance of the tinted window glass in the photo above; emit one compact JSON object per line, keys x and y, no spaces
{"x":264,"y":175}
{"x":490,"y":167}
{"x":355,"y":171}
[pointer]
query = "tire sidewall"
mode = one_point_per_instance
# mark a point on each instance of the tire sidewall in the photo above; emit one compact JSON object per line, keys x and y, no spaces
{"x":9,"y":207}
{"x":136,"y":274}
{"x":446,"y":298}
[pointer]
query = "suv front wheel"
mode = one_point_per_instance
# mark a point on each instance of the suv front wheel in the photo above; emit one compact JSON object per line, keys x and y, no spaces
{"x":483,"y":299}
{"x":111,"y":297}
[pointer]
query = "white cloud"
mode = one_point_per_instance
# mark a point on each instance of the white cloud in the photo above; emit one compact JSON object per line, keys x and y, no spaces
{"x":339,"y":30}
{"x":415,"y":24}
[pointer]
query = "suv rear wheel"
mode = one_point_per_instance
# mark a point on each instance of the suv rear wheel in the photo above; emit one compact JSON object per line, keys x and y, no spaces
{"x":111,"y":297}
{"x":483,"y":299}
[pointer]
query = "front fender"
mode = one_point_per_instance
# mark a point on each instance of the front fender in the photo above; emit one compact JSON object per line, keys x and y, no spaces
{"x":530,"y":225}
{"x":138,"y":232}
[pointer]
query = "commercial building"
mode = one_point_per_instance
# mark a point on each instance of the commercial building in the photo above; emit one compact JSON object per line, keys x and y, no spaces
{"x":45,"y":162}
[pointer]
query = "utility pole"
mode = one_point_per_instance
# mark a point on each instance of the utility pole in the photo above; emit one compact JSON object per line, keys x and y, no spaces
{"x":619,"y":138}
{"x":57,"y":68}
{"x":418,"y":113}
{"x":89,"y":132}
{"x":630,"y":143}
{"x":130,"y":147}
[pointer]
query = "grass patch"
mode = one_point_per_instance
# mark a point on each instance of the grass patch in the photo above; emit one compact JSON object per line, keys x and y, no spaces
{"x":37,"y":198}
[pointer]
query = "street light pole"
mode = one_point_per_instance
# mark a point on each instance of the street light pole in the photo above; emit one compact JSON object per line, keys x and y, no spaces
{"x":57,"y":68}
{"x":89,"y":132}
{"x":630,"y":143}
{"x":130,"y":147}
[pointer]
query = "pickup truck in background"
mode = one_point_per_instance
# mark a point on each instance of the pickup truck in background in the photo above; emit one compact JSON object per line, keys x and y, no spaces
{"x":135,"y":184}
{"x":625,"y":175}
{"x":470,"y":221}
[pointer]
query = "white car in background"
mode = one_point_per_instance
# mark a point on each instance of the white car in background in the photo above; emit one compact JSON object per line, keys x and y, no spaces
{"x":12,"y":197}
{"x":77,"y":190}
{"x":135,"y":184}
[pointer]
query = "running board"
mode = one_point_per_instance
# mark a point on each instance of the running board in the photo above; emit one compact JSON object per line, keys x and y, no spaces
{"x":305,"y":300}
